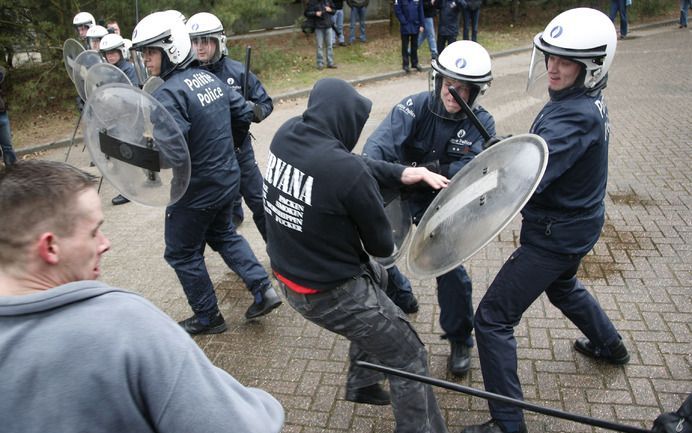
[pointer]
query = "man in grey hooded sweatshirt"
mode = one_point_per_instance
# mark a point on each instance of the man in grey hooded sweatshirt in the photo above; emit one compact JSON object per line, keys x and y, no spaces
{"x":77,"y":355}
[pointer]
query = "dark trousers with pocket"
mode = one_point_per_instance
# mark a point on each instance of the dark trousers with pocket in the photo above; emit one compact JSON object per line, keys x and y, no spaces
{"x":187,"y":231}
{"x":528,"y":273}
{"x":251,"y":184}
{"x":380,"y":333}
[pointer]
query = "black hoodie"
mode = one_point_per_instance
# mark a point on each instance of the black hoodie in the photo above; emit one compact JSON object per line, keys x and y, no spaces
{"x":324,"y":209}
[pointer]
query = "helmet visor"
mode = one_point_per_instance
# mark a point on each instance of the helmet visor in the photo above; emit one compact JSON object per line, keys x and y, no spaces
{"x":537,"y":82}
{"x":138,"y":62}
{"x":206,"y":48}
{"x":442,"y":102}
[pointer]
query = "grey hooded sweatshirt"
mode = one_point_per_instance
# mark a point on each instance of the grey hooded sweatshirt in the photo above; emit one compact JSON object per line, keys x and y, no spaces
{"x":86,"y":357}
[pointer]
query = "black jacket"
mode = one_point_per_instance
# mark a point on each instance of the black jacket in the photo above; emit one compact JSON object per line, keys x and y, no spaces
{"x":323,"y":205}
{"x":325,"y":20}
{"x":429,"y":9}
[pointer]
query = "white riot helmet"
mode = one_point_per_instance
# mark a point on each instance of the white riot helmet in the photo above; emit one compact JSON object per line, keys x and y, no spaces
{"x":169,"y":35}
{"x":84,"y":19}
{"x":464,"y":62}
{"x":94,"y":35}
{"x":175,"y":15}
{"x":582,"y":35}
{"x":112,"y":42}
{"x":204,"y":27}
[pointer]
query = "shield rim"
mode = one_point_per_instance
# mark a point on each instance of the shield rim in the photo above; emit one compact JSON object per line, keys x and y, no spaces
{"x":101,"y":66}
{"x":70,"y":71}
{"x":430,"y":211}
{"x":82,"y":93}
{"x":171,"y":121}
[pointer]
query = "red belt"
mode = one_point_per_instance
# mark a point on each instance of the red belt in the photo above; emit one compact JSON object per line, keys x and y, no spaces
{"x":295,"y":286}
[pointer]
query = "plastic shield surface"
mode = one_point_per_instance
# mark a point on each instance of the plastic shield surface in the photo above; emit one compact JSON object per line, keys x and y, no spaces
{"x":399,"y":217}
{"x":478,"y":203}
{"x":137,"y":145}
{"x":84,"y":61}
{"x":152,"y":84}
{"x":102,"y":74}
{"x":70,"y":50}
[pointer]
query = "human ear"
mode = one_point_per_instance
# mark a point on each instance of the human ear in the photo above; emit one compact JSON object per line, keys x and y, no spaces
{"x":48,"y":248}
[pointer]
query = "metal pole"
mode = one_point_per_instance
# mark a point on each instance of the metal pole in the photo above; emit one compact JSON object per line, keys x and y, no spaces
{"x":74,"y":134}
{"x":491,"y":396}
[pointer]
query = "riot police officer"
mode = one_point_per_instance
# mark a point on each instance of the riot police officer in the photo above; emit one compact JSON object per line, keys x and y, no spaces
{"x":563,"y":219}
{"x":212,"y":118}
{"x":82,"y":22}
{"x":209,"y":42}
{"x":94,"y":36}
{"x":115,"y":52}
{"x":430,"y":129}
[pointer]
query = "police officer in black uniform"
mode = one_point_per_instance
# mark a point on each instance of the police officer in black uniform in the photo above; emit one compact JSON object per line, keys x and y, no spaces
{"x":203,"y":108}
{"x":563,"y":219}
{"x":430,"y":129}
{"x":209,"y":42}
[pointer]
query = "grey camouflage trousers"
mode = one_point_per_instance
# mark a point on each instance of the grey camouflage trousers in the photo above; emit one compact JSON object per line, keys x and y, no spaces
{"x":380,"y":333}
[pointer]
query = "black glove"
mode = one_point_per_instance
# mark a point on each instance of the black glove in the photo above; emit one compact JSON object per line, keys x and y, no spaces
{"x":494,"y":140}
{"x":433,"y":166}
{"x":257,"y":113}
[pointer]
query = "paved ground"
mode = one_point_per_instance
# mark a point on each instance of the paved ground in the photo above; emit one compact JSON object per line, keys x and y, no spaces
{"x":640,"y":270}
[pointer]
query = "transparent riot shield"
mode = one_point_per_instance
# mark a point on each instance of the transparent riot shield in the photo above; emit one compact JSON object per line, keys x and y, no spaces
{"x":400,"y":219}
{"x":70,"y":50}
{"x":101,"y":74}
{"x":138,"y":63}
{"x":136,"y":145}
{"x":152,"y":84}
{"x":478,"y":203}
{"x":84,"y":61}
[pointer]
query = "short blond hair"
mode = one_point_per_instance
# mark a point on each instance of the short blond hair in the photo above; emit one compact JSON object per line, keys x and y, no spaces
{"x":37,"y":196}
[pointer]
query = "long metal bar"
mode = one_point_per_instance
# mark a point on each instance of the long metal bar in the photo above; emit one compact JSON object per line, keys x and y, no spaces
{"x":74,"y":134}
{"x":492,"y":396}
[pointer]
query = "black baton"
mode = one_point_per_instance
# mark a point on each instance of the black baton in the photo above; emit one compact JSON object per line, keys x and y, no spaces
{"x":467,"y":110}
{"x":248,"y":53}
{"x":492,"y":396}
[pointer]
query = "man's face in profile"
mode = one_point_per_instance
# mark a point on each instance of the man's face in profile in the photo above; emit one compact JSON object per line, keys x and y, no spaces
{"x":79,"y":253}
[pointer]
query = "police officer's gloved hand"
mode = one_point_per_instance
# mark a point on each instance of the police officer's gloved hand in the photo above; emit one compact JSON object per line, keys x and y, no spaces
{"x":257,"y":113}
{"x":494,"y":140}
{"x":433,"y":166}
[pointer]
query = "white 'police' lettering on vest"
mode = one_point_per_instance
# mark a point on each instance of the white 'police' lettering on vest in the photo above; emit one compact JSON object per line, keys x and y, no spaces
{"x":206,"y":95}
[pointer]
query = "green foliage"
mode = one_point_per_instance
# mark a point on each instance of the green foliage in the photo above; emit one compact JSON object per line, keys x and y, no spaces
{"x":40,"y":88}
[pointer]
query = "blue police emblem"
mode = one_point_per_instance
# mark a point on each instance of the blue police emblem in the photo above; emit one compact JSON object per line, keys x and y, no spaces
{"x":556,"y":32}
{"x":461,"y":63}
{"x":195,"y":26}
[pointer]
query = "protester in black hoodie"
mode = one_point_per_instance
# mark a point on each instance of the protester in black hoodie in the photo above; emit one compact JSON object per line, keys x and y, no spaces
{"x":324,"y":216}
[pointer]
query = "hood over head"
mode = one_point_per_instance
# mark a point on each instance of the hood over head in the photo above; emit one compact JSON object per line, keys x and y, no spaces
{"x":338,"y":110}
